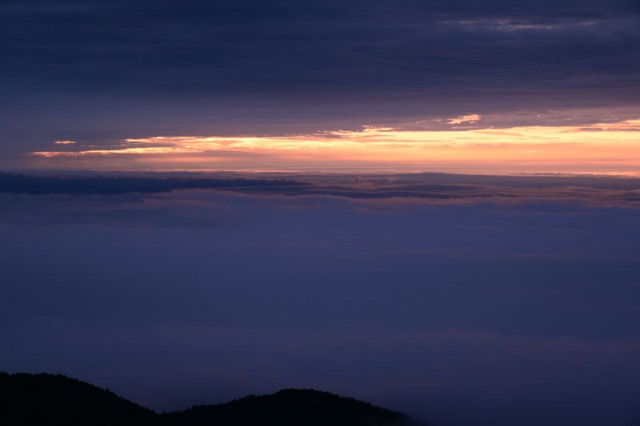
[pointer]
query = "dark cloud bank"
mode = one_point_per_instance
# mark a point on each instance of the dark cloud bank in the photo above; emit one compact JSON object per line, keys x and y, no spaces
{"x":309,"y":46}
{"x":422,"y":186}
{"x":496,"y":310}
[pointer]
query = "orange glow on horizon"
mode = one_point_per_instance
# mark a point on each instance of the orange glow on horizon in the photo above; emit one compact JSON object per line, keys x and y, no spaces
{"x":616,"y":143}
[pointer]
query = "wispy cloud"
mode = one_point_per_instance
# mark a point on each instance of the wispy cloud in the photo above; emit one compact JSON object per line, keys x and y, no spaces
{"x":471,"y":118}
{"x":511,"y":24}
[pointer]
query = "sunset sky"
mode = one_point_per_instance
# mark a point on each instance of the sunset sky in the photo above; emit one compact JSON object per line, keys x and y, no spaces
{"x":485,"y":86}
{"x":431,"y":205}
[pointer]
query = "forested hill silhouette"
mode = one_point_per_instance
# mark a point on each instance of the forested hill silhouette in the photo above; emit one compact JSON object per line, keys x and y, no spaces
{"x":52,"y":400}
{"x":291,"y":407}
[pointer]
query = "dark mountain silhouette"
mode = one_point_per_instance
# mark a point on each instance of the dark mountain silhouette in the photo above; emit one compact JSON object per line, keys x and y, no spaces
{"x":291,"y":407}
{"x":52,"y":400}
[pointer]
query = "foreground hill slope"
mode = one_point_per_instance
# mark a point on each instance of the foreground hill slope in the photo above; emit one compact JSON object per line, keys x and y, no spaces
{"x":55,"y":400}
{"x":52,"y":400}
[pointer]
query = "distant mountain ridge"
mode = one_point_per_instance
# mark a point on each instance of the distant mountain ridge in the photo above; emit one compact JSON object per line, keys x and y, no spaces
{"x":56,"y":400}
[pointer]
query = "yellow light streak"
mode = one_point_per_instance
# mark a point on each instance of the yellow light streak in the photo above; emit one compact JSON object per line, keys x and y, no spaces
{"x":598,"y":143}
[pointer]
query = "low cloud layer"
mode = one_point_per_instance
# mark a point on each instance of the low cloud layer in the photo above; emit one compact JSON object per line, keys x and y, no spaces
{"x":464,"y":313}
{"x":390,"y":188}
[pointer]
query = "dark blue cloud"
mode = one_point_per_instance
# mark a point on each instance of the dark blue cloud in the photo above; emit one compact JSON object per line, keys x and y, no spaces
{"x":308,"y":46}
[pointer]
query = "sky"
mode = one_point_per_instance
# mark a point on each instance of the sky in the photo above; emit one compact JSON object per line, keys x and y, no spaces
{"x":463,"y":86}
{"x":429,"y":205}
